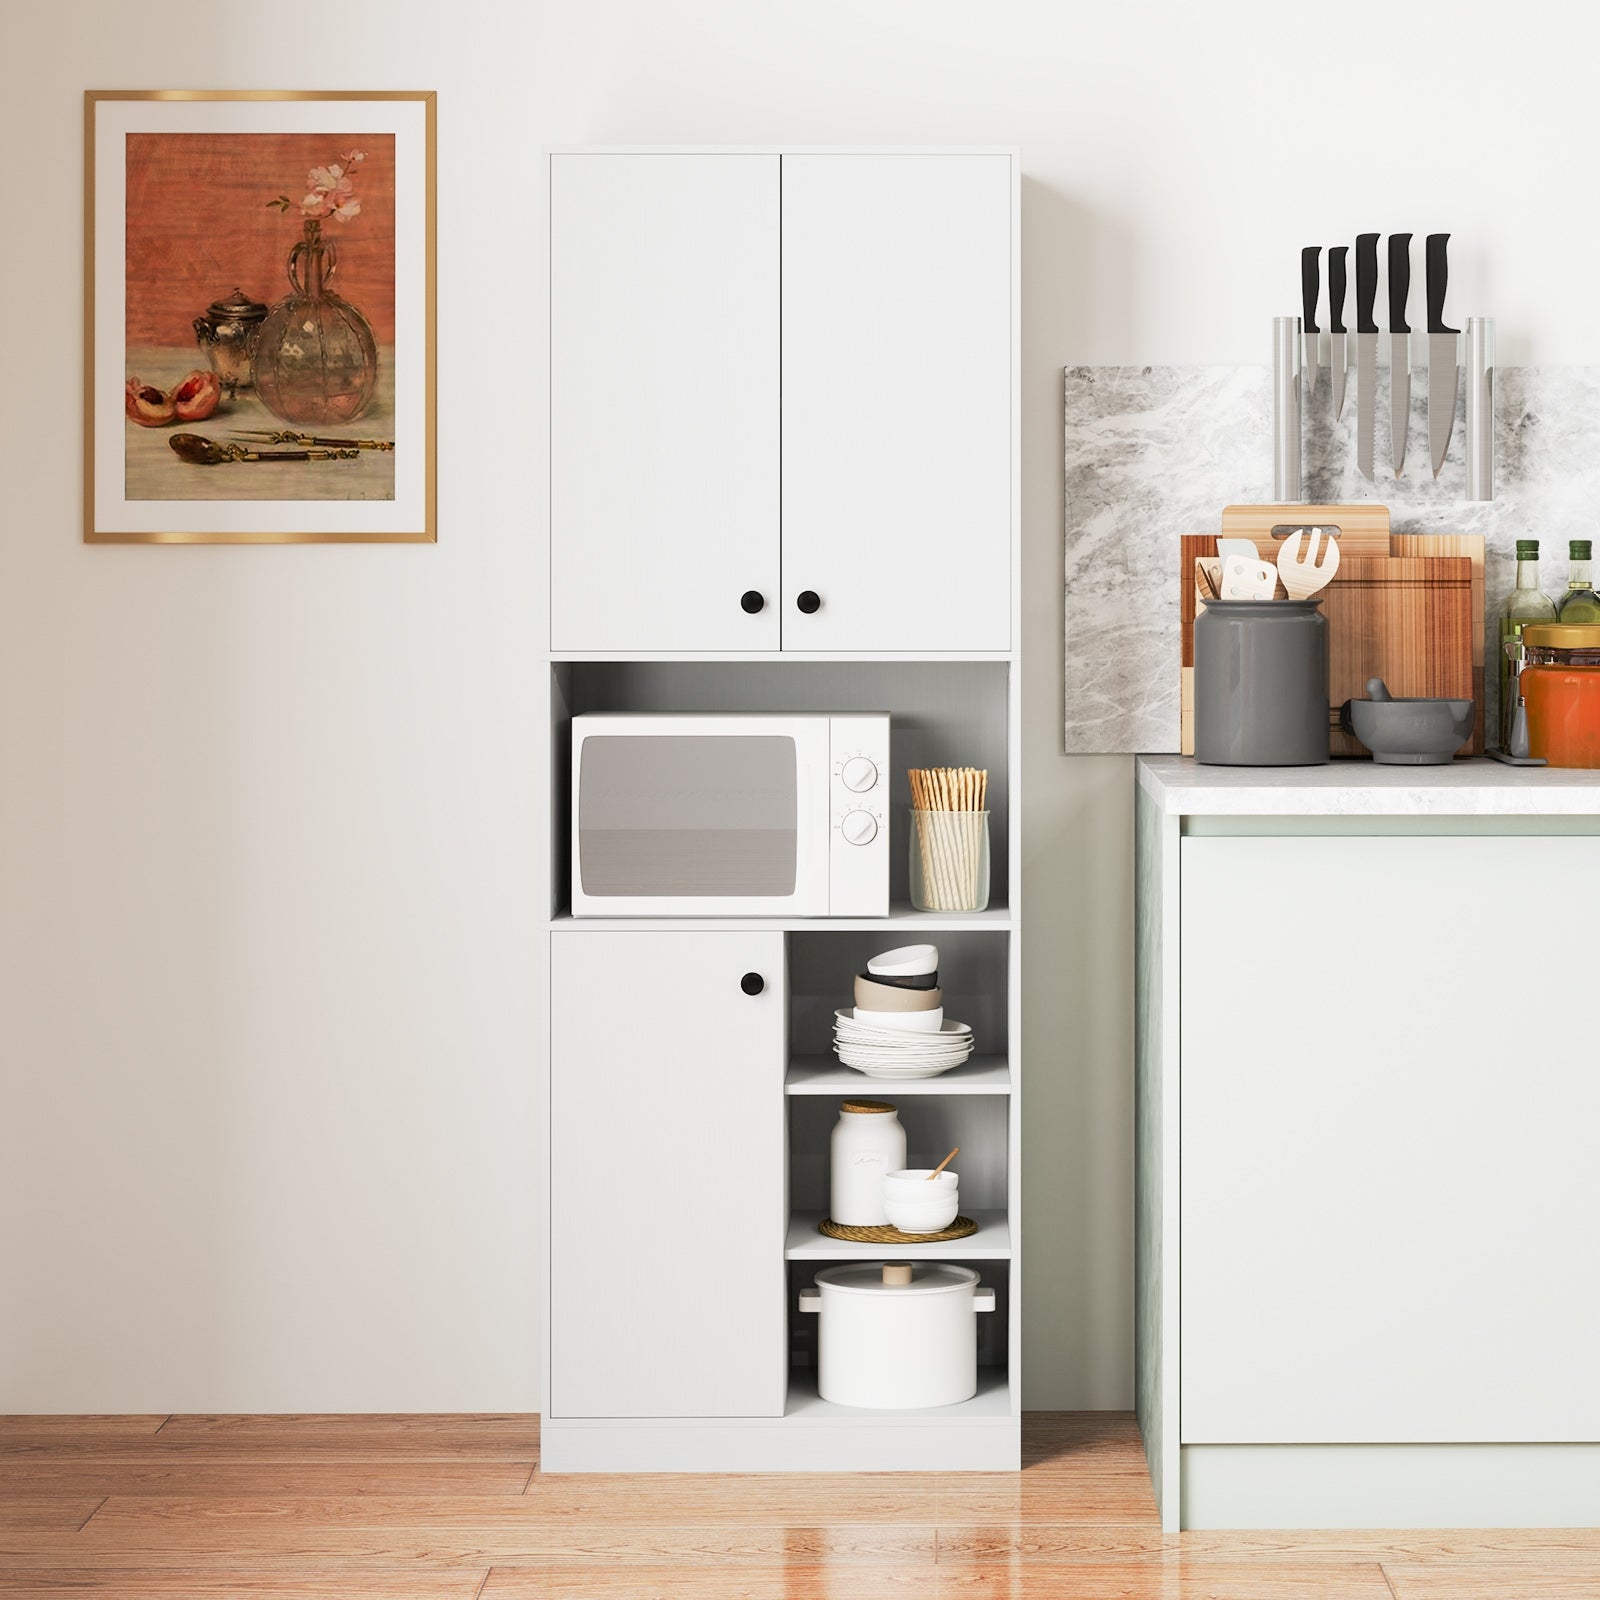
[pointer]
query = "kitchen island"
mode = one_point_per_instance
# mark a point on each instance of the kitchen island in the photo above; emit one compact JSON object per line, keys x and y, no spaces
{"x":1368,"y":1089}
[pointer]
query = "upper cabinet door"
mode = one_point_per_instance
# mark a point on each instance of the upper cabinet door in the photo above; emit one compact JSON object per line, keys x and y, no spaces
{"x":897,"y":402}
{"x":664,"y":350}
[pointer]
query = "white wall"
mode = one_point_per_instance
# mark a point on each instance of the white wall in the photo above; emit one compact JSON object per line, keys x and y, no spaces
{"x":269,"y":822}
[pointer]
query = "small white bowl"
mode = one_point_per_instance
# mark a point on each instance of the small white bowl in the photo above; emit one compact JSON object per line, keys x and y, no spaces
{"x":913,"y":1186}
{"x":909,"y":961}
{"x":922,"y":1218}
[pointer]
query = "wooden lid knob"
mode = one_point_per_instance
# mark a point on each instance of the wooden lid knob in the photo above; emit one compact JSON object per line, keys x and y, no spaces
{"x":897,"y":1272}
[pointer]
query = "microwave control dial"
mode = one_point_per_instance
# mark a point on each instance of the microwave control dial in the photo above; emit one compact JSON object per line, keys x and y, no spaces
{"x":859,"y":827}
{"x":858,"y":774}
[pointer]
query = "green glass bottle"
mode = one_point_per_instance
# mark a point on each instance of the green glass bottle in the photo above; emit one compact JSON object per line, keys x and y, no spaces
{"x":1526,"y":603}
{"x":1581,"y":604}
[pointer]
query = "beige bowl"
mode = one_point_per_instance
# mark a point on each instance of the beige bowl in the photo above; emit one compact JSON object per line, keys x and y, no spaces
{"x":872,"y":996}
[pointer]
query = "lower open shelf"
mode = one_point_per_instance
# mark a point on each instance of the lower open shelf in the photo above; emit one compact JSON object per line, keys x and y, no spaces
{"x":992,"y":1401}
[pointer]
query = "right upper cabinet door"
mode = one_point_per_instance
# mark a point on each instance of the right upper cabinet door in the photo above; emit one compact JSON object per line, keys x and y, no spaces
{"x":897,"y":402}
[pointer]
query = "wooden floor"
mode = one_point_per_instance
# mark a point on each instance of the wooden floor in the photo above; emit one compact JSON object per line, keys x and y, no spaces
{"x":455,"y":1507}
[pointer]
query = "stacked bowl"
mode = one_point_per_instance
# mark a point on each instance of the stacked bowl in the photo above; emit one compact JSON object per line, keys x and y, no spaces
{"x":897,"y":1028}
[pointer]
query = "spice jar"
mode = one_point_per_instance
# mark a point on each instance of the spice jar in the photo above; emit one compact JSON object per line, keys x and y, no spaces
{"x":1560,"y":681}
{"x":868,"y":1143}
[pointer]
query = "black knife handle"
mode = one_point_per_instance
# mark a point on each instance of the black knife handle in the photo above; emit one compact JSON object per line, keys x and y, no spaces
{"x":1336,"y":257}
{"x":1399,"y":281}
{"x":1310,"y":286}
{"x":1366,"y":281}
{"x":1438,"y":279}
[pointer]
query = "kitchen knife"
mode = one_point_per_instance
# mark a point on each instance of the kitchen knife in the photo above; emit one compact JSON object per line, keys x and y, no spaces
{"x":1399,"y":347}
{"x":1310,"y":287}
{"x":1443,"y":374}
{"x":1366,"y":349}
{"x":1336,"y":354}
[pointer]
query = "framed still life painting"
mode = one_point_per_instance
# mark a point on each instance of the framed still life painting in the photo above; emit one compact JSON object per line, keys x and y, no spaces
{"x":259,"y":317}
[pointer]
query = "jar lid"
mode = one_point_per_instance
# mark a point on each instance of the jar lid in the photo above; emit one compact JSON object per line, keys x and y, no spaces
{"x":927,"y":1277}
{"x":1562,"y":636}
{"x":238,"y":307}
{"x":883,"y":1105}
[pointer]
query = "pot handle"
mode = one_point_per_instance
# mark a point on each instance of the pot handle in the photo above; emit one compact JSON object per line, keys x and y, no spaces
{"x":983,"y":1299}
{"x":811,"y":1298}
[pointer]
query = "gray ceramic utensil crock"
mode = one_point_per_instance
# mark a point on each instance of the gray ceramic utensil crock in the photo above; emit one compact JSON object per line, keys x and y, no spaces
{"x":1261,"y":684}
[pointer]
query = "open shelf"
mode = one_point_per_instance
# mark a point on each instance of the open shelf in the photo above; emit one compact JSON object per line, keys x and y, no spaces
{"x":992,"y":1242}
{"x":991,"y":1403}
{"x":827,"y":1075}
{"x":901,"y":916}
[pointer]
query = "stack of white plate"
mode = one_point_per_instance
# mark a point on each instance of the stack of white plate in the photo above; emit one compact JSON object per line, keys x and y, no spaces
{"x":891,"y":1052}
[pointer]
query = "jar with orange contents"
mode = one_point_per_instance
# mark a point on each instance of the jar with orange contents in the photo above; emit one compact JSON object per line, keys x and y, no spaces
{"x":1560,"y":681}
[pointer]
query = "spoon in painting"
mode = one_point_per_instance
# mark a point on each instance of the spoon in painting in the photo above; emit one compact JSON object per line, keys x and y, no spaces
{"x":202,"y":452}
{"x":288,"y":436}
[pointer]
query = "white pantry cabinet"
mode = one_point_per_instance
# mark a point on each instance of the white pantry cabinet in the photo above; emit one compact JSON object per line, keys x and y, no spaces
{"x":896,"y":401}
{"x":782,"y":402}
{"x":663,"y":401}
{"x":666,"y":1114}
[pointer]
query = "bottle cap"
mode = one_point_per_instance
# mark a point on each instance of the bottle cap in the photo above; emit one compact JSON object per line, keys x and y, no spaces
{"x":1527,"y":549}
{"x":1579,"y":549}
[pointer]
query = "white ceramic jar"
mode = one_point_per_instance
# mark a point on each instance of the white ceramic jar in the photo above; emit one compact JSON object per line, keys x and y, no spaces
{"x":867,"y":1144}
{"x":897,"y":1335}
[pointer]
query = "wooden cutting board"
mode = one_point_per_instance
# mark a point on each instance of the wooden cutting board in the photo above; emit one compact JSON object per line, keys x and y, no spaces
{"x":1415,"y":620}
{"x":1363,"y":529}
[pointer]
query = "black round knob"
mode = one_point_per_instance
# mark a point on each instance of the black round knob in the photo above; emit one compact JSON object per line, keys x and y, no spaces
{"x":752,"y":600}
{"x":752,"y":983}
{"x":808,"y":600}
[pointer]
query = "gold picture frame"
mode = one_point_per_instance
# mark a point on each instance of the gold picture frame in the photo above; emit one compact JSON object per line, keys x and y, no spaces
{"x":317,"y":423}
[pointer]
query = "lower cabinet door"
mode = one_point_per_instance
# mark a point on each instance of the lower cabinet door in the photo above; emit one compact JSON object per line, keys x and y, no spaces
{"x":667,"y":1202}
{"x":1390,"y":1097}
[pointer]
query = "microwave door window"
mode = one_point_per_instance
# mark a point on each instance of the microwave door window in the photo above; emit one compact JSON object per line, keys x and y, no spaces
{"x":682,"y":815}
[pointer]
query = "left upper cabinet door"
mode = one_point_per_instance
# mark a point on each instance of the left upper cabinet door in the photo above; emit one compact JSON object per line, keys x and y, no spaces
{"x":664,"y":396}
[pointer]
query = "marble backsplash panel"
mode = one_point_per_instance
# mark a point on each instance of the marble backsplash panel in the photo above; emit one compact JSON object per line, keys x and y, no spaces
{"x":1153,"y":453}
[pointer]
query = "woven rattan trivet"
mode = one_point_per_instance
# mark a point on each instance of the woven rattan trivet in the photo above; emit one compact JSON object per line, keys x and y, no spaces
{"x":959,"y":1229}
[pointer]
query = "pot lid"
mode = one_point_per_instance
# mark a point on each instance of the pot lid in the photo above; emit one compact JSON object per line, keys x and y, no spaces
{"x":238,"y":307}
{"x":1562,"y":635}
{"x":927,"y":1277}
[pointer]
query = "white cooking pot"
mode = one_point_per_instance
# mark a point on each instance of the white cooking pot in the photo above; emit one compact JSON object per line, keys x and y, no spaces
{"x":897,"y":1335}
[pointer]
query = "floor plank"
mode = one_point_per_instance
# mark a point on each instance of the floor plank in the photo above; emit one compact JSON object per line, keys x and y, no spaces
{"x":1500,"y":1580}
{"x":45,"y":1514}
{"x":26,"y":1435}
{"x":243,"y":1584}
{"x":180,"y":1474}
{"x":510,"y":1437}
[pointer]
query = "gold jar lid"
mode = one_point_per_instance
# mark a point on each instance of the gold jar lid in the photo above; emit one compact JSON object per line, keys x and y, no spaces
{"x":870,"y":1105}
{"x":1562,"y":635}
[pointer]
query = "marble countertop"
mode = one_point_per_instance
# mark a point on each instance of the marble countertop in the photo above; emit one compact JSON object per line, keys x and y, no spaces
{"x":1469,"y":788}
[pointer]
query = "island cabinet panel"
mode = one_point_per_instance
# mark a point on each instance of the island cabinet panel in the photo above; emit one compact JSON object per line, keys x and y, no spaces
{"x":668,"y":1206}
{"x":1389,"y":1103}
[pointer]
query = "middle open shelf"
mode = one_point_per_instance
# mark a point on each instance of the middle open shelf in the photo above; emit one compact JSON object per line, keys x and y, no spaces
{"x":826,"y":1075}
{"x":992,"y":1242}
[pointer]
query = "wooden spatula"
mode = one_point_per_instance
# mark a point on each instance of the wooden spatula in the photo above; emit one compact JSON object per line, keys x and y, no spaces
{"x":1307,"y":562}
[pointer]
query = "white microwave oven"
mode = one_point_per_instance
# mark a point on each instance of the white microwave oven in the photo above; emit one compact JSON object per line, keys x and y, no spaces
{"x":730,"y":815}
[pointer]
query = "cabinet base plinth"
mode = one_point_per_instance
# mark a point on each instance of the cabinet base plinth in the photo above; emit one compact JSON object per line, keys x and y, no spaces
{"x":1390,"y":1485}
{"x":781,"y":1445}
